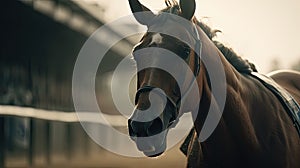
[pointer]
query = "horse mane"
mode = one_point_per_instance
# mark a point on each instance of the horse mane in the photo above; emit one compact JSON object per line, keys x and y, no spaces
{"x":240,"y":64}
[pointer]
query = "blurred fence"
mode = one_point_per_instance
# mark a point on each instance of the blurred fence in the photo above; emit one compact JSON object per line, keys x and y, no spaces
{"x":41,"y":138}
{"x":35,"y":137}
{"x":40,"y":44}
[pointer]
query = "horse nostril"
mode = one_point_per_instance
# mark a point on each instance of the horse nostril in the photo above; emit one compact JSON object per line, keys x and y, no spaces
{"x":155,"y":127}
{"x":144,"y":129}
{"x":137,"y":129}
{"x":130,"y":129}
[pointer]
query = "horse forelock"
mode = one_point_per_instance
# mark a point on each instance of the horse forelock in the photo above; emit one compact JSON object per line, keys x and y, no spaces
{"x":172,"y":8}
{"x":171,"y":3}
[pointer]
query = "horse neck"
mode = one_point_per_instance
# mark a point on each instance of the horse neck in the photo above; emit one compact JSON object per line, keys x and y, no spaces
{"x":234,"y":129}
{"x":233,"y":80}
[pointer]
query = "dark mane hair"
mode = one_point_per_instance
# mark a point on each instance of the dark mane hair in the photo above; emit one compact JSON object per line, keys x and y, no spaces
{"x":240,"y":64}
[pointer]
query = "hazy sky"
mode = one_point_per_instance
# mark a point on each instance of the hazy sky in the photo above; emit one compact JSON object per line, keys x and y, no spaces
{"x":259,"y":30}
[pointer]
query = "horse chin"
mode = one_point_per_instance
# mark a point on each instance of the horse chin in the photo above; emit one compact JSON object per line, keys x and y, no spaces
{"x":157,"y":151}
{"x":153,"y":146}
{"x":152,"y":155}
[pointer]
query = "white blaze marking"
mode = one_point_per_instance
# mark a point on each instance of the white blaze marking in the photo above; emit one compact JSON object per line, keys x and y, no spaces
{"x":157,"y":39}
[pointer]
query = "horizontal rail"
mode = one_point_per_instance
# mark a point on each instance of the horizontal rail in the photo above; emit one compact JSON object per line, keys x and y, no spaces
{"x":60,"y":116}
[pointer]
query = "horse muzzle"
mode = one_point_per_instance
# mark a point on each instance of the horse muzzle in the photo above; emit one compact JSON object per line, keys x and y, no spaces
{"x":150,"y":136}
{"x":148,"y":126}
{"x":148,"y":129}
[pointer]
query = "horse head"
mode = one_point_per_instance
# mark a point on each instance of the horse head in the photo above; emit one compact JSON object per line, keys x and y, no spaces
{"x":159,"y":94}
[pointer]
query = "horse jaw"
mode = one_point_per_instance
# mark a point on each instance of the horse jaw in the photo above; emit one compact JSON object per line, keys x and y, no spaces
{"x":152,"y":146}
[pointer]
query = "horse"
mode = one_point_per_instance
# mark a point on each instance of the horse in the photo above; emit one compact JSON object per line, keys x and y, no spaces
{"x":254,"y":129}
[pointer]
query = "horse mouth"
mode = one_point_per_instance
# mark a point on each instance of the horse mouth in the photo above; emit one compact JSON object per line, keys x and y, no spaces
{"x":152,"y":146}
{"x":153,"y":155}
{"x":155,"y":151}
{"x":151,"y":137}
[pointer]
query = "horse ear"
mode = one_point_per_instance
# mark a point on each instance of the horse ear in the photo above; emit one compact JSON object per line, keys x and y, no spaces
{"x":188,"y":8}
{"x":142,"y":18}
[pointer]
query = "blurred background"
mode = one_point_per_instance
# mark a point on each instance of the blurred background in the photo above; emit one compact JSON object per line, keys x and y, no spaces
{"x":40,"y":43}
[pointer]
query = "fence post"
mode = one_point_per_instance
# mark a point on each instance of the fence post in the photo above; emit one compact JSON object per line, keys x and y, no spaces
{"x":2,"y":142}
{"x":70,"y":142}
{"x":31,"y":149}
{"x":48,"y":143}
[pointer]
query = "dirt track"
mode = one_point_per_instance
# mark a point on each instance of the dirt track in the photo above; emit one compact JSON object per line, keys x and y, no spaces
{"x":173,"y":158}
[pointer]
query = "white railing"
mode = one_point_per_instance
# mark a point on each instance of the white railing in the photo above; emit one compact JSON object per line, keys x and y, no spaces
{"x":92,"y":117}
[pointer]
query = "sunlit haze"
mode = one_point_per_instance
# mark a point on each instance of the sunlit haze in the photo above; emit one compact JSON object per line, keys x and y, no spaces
{"x":260,"y":31}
